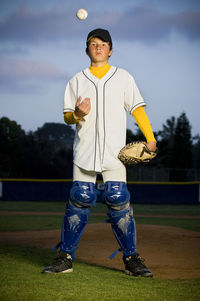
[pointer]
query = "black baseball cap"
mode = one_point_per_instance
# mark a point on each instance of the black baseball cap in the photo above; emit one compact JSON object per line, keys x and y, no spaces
{"x":103,"y":34}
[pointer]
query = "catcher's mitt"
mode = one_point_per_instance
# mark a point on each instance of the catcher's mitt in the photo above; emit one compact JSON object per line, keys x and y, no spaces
{"x":135,"y":153}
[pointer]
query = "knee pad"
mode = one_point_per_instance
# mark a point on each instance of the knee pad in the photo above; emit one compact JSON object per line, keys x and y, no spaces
{"x":82,"y":194}
{"x":116,"y":195}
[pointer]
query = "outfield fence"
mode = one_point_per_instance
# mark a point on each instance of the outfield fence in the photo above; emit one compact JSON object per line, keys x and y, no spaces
{"x":141,"y":192}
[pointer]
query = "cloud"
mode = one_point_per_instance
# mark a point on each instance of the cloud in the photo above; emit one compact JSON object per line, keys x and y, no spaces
{"x":33,"y":26}
{"x":143,"y":23}
{"x":22,"y":75}
{"x":12,"y":49}
{"x":147,"y":24}
{"x":188,"y":23}
{"x":27,"y":69}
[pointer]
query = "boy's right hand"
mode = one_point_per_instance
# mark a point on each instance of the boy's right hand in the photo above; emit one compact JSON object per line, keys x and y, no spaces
{"x":82,"y":108}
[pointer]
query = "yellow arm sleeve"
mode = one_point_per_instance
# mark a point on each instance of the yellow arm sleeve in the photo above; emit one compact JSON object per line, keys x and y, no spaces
{"x":69,"y":118}
{"x":144,"y":123}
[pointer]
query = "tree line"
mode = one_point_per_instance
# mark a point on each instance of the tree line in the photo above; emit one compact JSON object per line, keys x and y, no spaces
{"x":48,"y":151}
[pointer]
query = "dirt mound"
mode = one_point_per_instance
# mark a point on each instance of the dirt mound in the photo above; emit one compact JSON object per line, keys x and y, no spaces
{"x":169,"y":252}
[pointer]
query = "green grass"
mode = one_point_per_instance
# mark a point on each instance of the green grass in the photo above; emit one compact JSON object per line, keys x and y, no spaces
{"x":138,"y":208}
{"x":30,"y":222}
{"x":21,"y":279}
{"x":50,"y":222}
{"x":36,"y":222}
{"x":33,"y":206}
{"x":167,"y":209}
{"x":184,"y":223}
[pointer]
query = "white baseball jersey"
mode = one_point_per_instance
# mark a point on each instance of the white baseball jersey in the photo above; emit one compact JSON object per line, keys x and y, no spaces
{"x":100,"y":137}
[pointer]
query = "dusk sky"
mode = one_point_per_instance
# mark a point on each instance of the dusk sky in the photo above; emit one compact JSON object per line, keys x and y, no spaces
{"x":42,"y":45}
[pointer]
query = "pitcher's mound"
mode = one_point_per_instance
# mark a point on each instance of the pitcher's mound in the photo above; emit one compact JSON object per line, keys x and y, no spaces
{"x":169,"y":252}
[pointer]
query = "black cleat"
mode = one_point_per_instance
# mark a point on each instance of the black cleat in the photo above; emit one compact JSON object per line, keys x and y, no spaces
{"x":134,"y":266}
{"x":62,"y":264}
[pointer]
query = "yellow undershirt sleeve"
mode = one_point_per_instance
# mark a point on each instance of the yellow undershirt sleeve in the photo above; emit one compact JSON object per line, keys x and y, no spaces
{"x":69,"y":118}
{"x":144,"y":123}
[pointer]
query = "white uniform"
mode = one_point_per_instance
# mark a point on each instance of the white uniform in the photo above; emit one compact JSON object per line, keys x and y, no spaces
{"x":100,"y":137}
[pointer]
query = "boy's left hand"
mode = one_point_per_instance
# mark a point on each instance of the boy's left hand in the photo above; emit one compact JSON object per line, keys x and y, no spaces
{"x":137,"y":152}
{"x":151,"y":146}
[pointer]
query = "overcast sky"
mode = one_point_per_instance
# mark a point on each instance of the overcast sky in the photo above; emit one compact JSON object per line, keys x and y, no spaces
{"x":42,"y":45}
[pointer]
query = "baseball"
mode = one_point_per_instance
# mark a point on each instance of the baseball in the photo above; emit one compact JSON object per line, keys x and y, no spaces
{"x":82,"y":14}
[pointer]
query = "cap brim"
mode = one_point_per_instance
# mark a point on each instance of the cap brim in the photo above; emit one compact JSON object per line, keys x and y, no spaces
{"x":98,"y":36}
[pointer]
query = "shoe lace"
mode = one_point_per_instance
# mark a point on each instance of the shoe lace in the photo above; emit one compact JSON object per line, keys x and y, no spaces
{"x":59,"y":259}
{"x":138,"y":260}
{"x":141,"y":260}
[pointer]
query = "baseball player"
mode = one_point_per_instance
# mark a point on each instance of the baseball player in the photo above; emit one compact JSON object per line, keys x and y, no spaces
{"x":96,"y":100}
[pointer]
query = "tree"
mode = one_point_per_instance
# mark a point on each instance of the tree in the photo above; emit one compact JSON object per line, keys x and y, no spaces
{"x":55,"y":131}
{"x":55,"y":142}
{"x":36,"y":157}
{"x":11,"y":134}
{"x":166,"y":139}
{"x":175,"y":147}
{"x":130,"y":136}
{"x":47,"y":152}
{"x":182,"y":143}
{"x":182,"y":159}
{"x":196,"y":152}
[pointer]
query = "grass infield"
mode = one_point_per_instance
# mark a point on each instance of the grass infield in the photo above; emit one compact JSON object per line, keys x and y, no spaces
{"x":51,"y":222}
{"x":138,"y":208}
{"x":21,"y":279}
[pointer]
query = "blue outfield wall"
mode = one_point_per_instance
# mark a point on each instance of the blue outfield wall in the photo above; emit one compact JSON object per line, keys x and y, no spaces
{"x":141,"y":192}
{"x":164,"y":193}
{"x":35,"y":190}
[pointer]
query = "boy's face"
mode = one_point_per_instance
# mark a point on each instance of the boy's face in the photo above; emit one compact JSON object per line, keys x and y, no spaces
{"x":99,"y":51}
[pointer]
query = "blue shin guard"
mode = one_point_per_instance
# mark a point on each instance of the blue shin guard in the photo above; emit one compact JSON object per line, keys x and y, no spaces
{"x":74,"y":223}
{"x":82,"y":196}
{"x":123,"y":226}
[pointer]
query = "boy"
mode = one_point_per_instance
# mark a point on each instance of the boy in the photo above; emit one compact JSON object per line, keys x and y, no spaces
{"x":97,"y":99}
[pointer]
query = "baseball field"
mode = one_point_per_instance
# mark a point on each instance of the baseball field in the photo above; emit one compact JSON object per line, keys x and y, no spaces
{"x":168,"y":238}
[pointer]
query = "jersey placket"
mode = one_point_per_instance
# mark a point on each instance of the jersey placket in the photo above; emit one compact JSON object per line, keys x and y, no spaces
{"x":99,"y":126}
